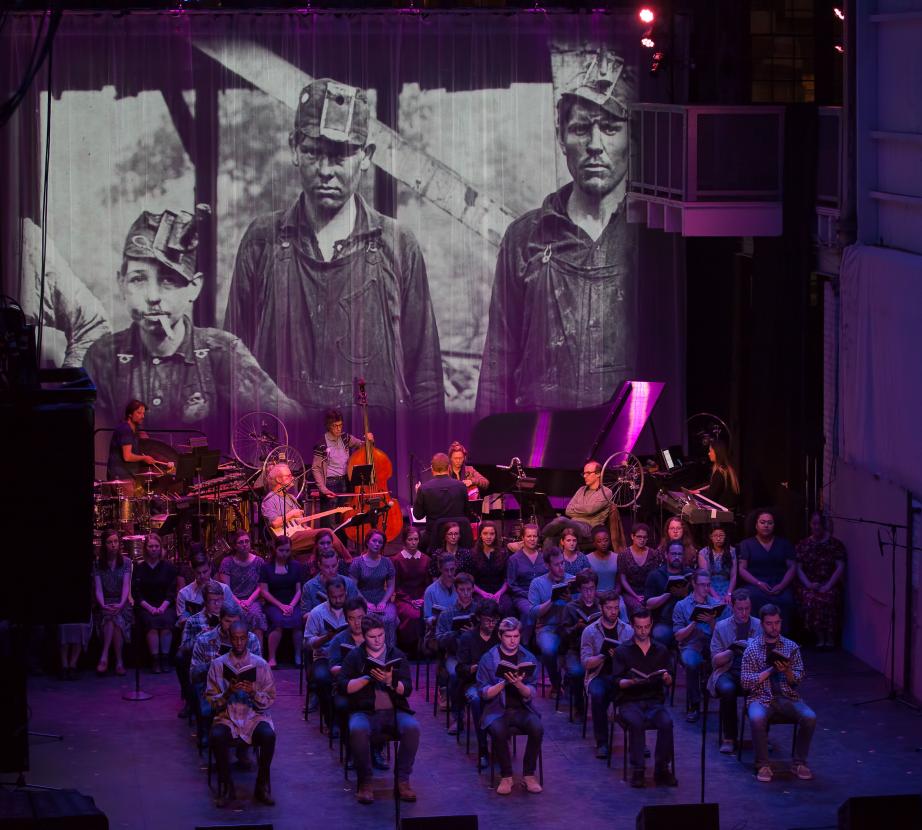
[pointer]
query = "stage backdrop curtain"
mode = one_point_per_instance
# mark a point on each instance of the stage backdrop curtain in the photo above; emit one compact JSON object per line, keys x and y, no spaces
{"x":161,"y":112}
{"x":880,"y":373}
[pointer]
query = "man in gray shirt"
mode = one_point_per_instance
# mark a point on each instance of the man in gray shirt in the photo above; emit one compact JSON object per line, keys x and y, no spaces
{"x":590,"y":506}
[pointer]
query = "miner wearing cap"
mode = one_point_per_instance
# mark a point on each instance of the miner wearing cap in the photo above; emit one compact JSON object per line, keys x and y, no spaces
{"x":329,"y":290}
{"x":562,"y":326}
{"x":186,"y":375}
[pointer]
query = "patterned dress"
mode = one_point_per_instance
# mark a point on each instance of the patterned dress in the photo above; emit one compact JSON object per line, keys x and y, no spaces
{"x":636,"y":574}
{"x":111,"y":580}
{"x":243,"y":580}
{"x":818,"y":559}
{"x":720,"y":568}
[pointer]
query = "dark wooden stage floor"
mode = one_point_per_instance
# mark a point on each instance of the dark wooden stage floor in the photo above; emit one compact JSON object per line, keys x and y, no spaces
{"x":139,"y":762}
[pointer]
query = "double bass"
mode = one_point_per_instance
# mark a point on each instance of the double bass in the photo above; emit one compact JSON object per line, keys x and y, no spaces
{"x":375,"y":495}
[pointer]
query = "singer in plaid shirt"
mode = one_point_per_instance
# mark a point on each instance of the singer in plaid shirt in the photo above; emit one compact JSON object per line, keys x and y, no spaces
{"x":773,"y":695}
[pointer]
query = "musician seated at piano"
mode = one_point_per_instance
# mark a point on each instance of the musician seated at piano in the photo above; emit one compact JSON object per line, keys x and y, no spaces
{"x":191,"y":598}
{"x":641,"y":668}
{"x":449,"y":545}
{"x":442,"y":497}
{"x":589,"y":507}
{"x":472,"y":645}
{"x":724,"y":486}
{"x":375,"y":577}
{"x":665,"y":587}
{"x":465,"y":473}
{"x":241,"y":690}
{"x":596,"y":646}
{"x":375,"y":678}
{"x":331,"y":460}
{"x":284,"y":515}
{"x":280,"y":581}
{"x":325,"y":622}
{"x":522,"y":567}
{"x":508,"y":695}
{"x":487,"y":565}
{"x":693,"y":627}
{"x":582,"y":609}
{"x":125,"y":456}
{"x":449,"y":627}
{"x":314,"y":591}
{"x":731,"y":637}
{"x":549,"y":595}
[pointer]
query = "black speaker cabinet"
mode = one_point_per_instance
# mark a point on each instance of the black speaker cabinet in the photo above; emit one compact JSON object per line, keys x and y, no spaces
{"x":686,"y":816}
{"x":439,"y":823}
{"x":871,"y":812}
{"x":50,"y":810}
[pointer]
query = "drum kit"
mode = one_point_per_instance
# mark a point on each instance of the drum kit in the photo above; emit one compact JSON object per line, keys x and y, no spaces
{"x":183,"y":509}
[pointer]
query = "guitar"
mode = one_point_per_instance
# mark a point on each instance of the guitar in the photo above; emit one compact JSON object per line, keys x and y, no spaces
{"x":294,"y":525}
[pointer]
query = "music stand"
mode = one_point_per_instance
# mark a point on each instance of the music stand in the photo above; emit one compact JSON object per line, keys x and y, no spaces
{"x":361,"y":475}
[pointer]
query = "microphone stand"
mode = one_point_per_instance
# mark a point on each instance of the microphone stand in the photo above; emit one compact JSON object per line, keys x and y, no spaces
{"x":706,"y":703}
{"x":892,"y":695}
{"x":136,"y":694}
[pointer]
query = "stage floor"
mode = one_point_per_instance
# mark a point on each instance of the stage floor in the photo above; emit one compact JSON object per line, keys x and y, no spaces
{"x":139,"y":763}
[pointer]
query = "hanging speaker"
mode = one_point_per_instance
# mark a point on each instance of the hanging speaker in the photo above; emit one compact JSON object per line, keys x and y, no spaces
{"x":686,"y":816}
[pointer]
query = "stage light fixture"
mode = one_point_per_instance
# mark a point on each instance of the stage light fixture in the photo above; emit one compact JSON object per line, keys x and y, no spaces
{"x":839,"y":13}
{"x":839,"y":48}
{"x":659,"y":58}
{"x":646,"y":15}
{"x":647,"y":39}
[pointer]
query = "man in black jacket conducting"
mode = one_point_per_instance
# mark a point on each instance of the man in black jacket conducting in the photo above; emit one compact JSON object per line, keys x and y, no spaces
{"x":376,"y":682}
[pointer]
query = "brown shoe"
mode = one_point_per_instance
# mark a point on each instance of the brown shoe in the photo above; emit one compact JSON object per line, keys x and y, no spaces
{"x":531,"y":784}
{"x":405,"y":791}
{"x":504,"y":787}
{"x":364,"y":793}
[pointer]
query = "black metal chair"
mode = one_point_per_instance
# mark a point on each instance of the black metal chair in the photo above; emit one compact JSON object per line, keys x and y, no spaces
{"x":616,"y":719}
{"x":772,"y":720}
{"x":514,"y":732}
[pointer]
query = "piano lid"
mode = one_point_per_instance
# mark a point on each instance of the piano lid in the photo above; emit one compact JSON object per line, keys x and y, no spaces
{"x":563,"y":439}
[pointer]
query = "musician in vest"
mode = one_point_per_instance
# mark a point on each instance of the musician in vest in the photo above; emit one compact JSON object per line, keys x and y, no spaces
{"x":283,"y":514}
{"x":331,"y":458}
{"x":329,"y":289}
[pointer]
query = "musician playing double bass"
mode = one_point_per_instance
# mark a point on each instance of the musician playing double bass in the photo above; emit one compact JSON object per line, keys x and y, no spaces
{"x":280,"y":508}
{"x":331,"y":457}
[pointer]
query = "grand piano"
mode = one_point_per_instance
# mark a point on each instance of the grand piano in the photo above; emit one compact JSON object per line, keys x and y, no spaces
{"x":552,"y":446}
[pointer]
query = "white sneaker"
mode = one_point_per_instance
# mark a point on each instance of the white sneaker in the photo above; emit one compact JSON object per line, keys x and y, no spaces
{"x":531,"y":784}
{"x":505,"y":786}
{"x":764,"y":774}
{"x":802,"y":771}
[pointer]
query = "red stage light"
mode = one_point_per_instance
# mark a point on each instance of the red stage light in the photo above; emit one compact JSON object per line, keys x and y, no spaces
{"x":646,"y":15}
{"x":839,"y":13}
{"x":647,"y":41}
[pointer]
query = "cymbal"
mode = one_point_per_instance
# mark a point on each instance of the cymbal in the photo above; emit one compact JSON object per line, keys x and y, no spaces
{"x":158,"y":449}
{"x":148,"y":474}
{"x":116,"y":482}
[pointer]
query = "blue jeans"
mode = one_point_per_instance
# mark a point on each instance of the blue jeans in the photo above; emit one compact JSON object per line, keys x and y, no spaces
{"x":641,"y":715}
{"x":781,"y":710}
{"x":728,"y":689}
{"x":523,"y":611}
{"x":575,"y":676}
{"x":662,"y":633}
{"x":693,"y":661}
{"x":601,"y":694}
{"x":322,"y":678}
{"x":548,"y":646}
{"x":365,"y":727}
{"x":473,"y":697}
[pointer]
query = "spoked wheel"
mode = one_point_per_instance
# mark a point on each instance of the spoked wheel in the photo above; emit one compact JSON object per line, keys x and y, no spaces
{"x":255,"y":435}
{"x":295,"y":461}
{"x":622,"y":475}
